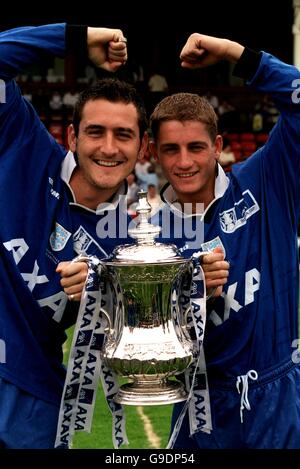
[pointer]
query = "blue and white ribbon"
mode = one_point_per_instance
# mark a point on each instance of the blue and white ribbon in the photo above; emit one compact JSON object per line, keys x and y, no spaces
{"x":197,"y":404}
{"x":85,"y":367}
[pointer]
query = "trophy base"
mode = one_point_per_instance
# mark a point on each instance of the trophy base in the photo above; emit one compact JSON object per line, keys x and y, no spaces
{"x":166,"y":392}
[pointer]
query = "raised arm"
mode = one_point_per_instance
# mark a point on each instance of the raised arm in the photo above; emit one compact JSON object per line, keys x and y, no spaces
{"x":20,"y":47}
{"x":25,"y":46}
{"x":261,"y":70}
{"x":106,"y":48}
{"x":269,"y":75}
{"x":201,"y":51}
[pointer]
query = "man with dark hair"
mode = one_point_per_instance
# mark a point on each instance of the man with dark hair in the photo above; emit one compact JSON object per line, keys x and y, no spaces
{"x":50,"y":203}
{"x":53,"y":204}
{"x":253,"y":213}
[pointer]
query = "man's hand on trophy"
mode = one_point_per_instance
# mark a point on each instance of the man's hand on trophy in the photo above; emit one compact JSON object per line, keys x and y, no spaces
{"x":215,"y":268}
{"x":216,"y":271}
{"x":73,"y":276}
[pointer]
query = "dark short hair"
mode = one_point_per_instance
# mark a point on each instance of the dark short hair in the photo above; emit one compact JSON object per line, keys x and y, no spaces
{"x":112,"y":90}
{"x":185,"y":107}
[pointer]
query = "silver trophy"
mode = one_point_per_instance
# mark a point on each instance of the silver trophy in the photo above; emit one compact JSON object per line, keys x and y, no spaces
{"x":147,"y":339}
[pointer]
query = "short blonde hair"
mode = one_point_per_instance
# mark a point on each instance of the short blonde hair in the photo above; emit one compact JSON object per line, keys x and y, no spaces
{"x":184,"y":107}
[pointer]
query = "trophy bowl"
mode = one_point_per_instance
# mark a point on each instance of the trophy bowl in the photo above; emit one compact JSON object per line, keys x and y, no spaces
{"x":147,"y":341}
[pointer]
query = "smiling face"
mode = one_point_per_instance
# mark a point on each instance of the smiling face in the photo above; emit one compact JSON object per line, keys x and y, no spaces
{"x":107,"y":146}
{"x":188,"y":159}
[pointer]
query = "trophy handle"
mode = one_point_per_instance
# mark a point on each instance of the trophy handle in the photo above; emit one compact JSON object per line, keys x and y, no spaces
{"x":113,"y":312}
{"x":187,"y":327}
{"x":184,"y":291}
{"x":108,"y":330}
{"x":184,"y":317}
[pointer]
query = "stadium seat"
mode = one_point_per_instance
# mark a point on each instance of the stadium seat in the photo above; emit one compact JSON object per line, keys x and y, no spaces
{"x":261,"y":138}
{"x":247,"y":137}
{"x":231,"y":136}
{"x":248,"y":146}
{"x":246,"y":154}
{"x":56,"y":130}
{"x":235,"y":146}
{"x":238,"y":155}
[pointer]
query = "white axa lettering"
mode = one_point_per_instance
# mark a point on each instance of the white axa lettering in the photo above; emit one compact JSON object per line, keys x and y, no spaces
{"x":65,"y":429}
{"x":198,"y":319}
{"x":67,"y":410}
{"x":91,"y":300}
{"x":230,"y":301}
{"x":88,"y":313}
{"x":108,"y":379}
{"x":113,"y":406}
{"x":200,"y":411}
{"x":86,"y":381}
{"x":79,"y":354}
{"x":77,"y":425}
{"x":119,"y":441}
{"x":110,"y":385}
{"x":118,"y":419}
{"x":118,"y":429}
{"x":90,"y":370}
{"x":18,"y":246}
{"x":55,"y":302}
{"x":67,"y":418}
{"x":80,"y":418}
{"x":33,"y":279}
{"x":201,"y":422}
{"x":77,"y":365}
{"x":75,"y":376}
{"x":81,"y":410}
{"x":195,"y":306}
{"x":92,"y":358}
{"x":64,"y":438}
{"x":252,"y":285}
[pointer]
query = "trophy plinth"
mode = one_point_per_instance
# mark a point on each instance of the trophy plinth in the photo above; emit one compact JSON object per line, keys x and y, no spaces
{"x":152,"y":392}
{"x":147,"y":341}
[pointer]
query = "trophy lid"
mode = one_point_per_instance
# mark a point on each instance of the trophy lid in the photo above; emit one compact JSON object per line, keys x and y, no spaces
{"x":146,"y":254}
{"x":145,"y":250}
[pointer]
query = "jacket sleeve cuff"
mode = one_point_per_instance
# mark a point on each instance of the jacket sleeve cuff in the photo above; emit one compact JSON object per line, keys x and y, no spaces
{"x":247,"y":64}
{"x":76,"y":40}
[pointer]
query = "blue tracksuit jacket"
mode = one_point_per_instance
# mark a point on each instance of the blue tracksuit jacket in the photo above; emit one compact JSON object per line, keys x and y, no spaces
{"x":41,"y":224}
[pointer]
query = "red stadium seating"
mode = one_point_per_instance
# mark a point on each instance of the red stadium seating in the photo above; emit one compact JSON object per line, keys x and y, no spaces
{"x":247,"y":137}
